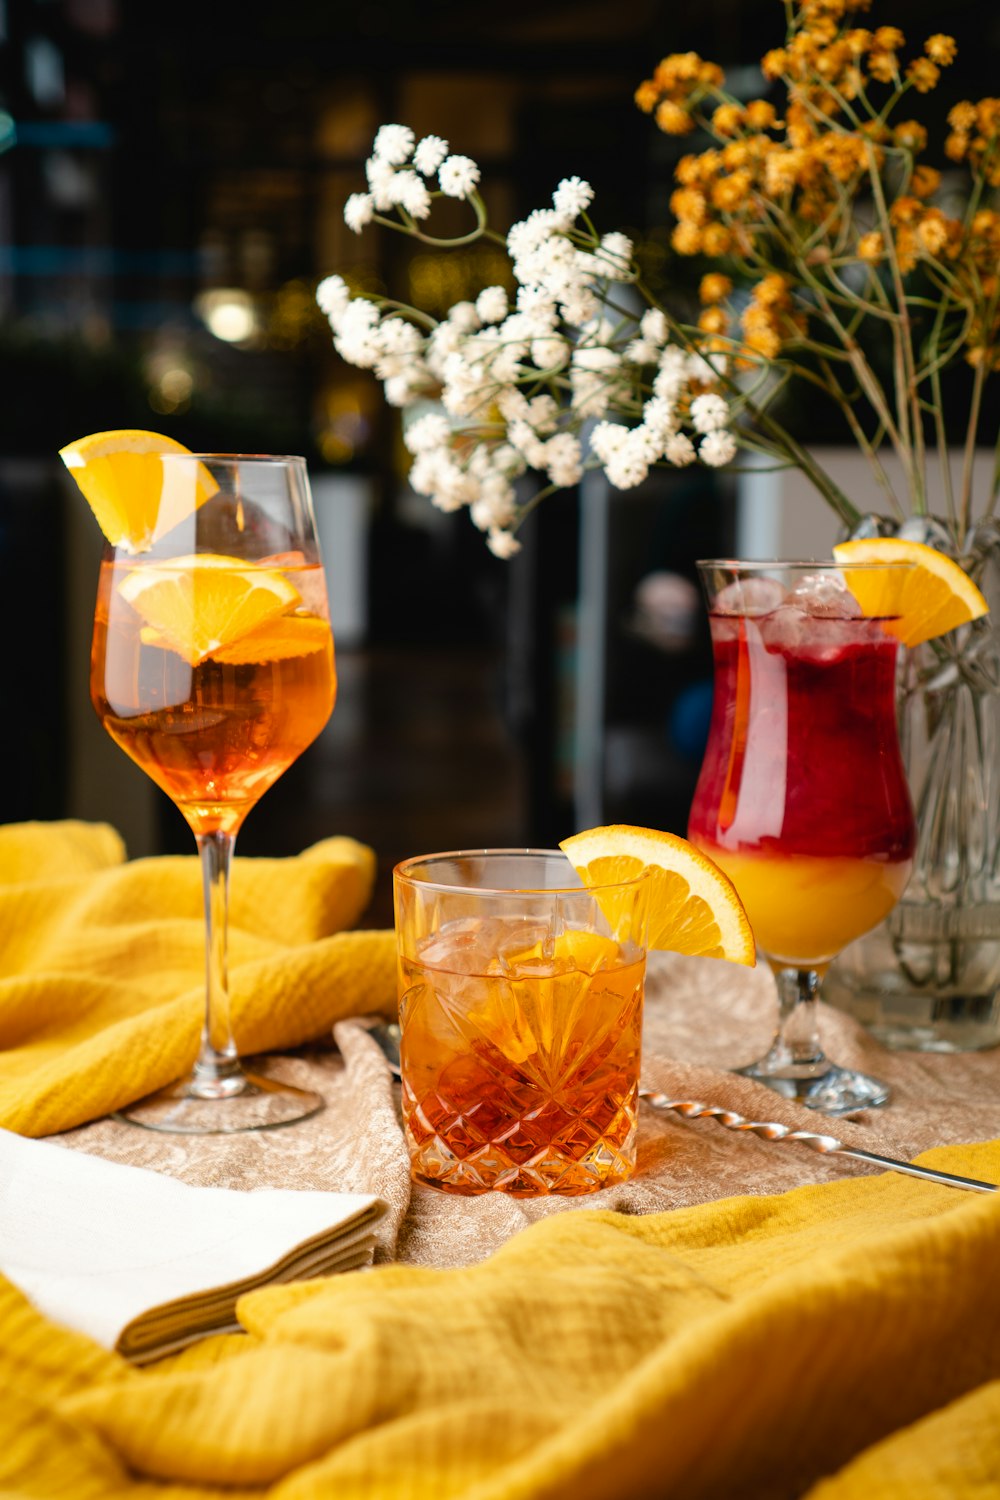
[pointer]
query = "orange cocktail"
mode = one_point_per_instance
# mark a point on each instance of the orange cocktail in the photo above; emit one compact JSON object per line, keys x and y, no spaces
{"x":213,"y":722}
{"x":521,"y":1021}
{"x":802,"y":798}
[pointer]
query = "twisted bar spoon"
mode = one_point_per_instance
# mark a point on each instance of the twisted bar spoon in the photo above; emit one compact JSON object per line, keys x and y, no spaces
{"x":826,"y":1145}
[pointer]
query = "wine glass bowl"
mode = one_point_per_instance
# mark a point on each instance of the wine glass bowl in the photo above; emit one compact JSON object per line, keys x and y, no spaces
{"x":802,"y":797}
{"x":212,"y":667}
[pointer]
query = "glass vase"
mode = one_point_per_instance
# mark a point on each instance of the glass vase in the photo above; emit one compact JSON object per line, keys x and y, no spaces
{"x":928,"y":978}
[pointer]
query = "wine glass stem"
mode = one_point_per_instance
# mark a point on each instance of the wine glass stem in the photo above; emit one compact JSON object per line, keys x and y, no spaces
{"x":218,"y":1061}
{"x":798,"y":1022}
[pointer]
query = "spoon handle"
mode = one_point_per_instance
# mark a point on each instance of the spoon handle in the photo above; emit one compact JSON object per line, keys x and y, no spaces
{"x":770,"y":1130}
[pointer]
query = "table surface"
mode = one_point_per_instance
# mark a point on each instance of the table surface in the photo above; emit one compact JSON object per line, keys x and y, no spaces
{"x":710,"y":1014}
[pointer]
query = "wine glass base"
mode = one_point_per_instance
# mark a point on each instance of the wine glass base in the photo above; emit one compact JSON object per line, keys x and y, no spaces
{"x":241,"y":1102}
{"x":835,"y":1091}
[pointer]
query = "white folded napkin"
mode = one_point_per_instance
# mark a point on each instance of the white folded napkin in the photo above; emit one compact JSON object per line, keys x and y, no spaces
{"x":145,"y":1264}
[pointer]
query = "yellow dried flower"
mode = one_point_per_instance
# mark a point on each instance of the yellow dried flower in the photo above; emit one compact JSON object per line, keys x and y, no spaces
{"x":882,"y":66}
{"x":906,"y":210}
{"x":774,"y":63}
{"x":888,"y":39}
{"x":911,"y":135}
{"x":732,"y":192}
{"x":717,"y":240}
{"x":714,"y":287}
{"x":962,"y":117}
{"x":859,"y":41}
{"x":689,"y":205}
{"x":924,"y":181}
{"x":672,"y":119}
{"x":988,"y":116}
{"x":941,"y":49}
{"x":688,"y":170}
{"x":761,"y":115}
{"x":728,"y":119}
{"x":646,"y":96}
{"x":713,"y":320}
{"x":956,"y":145}
{"x":782,"y":171}
{"x":736,"y":154}
{"x":871,"y":247}
{"x":772,"y":292}
{"x":907,"y":248}
{"x":686,"y":238}
{"x":932,"y":232}
{"x":923,"y":74}
{"x":764,"y":341}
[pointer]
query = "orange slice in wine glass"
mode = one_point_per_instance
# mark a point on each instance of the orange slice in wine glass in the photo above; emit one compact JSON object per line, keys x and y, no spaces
{"x":202,"y":604}
{"x":693,"y":906}
{"x":135,"y":498}
{"x":920,"y":602}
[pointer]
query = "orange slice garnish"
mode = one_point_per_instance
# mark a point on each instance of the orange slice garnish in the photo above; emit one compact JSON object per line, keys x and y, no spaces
{"x":135,"y":497}
{"x":925,"y":600}
{"x":201,"y":604}
{"x":693,"y":906}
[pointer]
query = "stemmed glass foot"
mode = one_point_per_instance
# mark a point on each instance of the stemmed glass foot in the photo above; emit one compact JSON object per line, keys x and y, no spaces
{"x":222,"y":1105}
{"x":796,"y":1067}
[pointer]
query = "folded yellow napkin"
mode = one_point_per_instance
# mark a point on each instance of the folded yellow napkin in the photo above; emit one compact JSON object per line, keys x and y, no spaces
{"x":102,"y":964}
{"x":840,"y":1341}
{"x":148,"y":1265}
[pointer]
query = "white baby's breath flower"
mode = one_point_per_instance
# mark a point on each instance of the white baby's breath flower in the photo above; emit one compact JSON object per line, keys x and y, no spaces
{"x":512,"y":404}
{"x":615,"y":255}
{"x":427,"y":433}
{"x":381,"y":177}
{"x":708,"y":413}
{"x":706,"y":368}
{"x":607,"y":439}
{"x":410,"y":192}
{"x":550,"y":353}
{"x":660,"y":416}
{"x":496,"y":506}
{"x":679,"y":450}
{"x":464,"y":316}
{"x":522,"y":436}
{"x":579,"y":306}
{"x":393,"y":143}
{"x":717,"y":448}
{"x":491,"y":304}
{"x":429,"y":155}
{"x":503,"y":544}
{"x":641,"y":352}
{"x":333,"y":295}
{"x":672,"y":377}
{"x":629,"y":466}
{"x":357,"y":337}
{"x":653,"y":326}
{"x":358,"y":211}
{"x":458,"y":176}
{"x":563,"y":459}
{"x":403,"y":390}
{"x":527,"y":235}
{"x":572,"y":196}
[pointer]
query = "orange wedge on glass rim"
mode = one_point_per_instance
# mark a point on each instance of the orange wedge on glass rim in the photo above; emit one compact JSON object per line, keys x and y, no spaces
{"x":135,"y":497}
{"x":927,"y":599}
{"x":202,"y":605}
{"x":693,"y":906}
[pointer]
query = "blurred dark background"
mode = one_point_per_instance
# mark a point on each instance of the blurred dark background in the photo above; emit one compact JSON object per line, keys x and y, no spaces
{"x":172,"y":181}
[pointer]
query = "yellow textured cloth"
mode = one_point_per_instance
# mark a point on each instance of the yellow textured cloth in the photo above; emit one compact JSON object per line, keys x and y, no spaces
{"x":841,"y":1341}
{"x":102,"y":964}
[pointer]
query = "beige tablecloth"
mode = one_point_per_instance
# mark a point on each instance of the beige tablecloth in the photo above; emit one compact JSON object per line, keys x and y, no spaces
{"x":701,"y":1017}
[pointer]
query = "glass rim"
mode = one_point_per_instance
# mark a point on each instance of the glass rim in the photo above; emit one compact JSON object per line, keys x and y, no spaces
{"x":400,"y":872}
{"x":792,"y":564}
{"x":236,"y":458}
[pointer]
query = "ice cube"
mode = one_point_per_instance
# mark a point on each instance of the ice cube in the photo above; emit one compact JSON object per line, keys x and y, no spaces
{"x":787,"y":630}
{"x":827,"y":596}
{"x":749,"y":596}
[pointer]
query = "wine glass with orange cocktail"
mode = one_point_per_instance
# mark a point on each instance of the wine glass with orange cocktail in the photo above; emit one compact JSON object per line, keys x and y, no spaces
{"x":212,"y":667}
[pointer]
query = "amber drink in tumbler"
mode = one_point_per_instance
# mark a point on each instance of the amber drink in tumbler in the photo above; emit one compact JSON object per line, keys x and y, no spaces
{"x":521,"y":1015}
